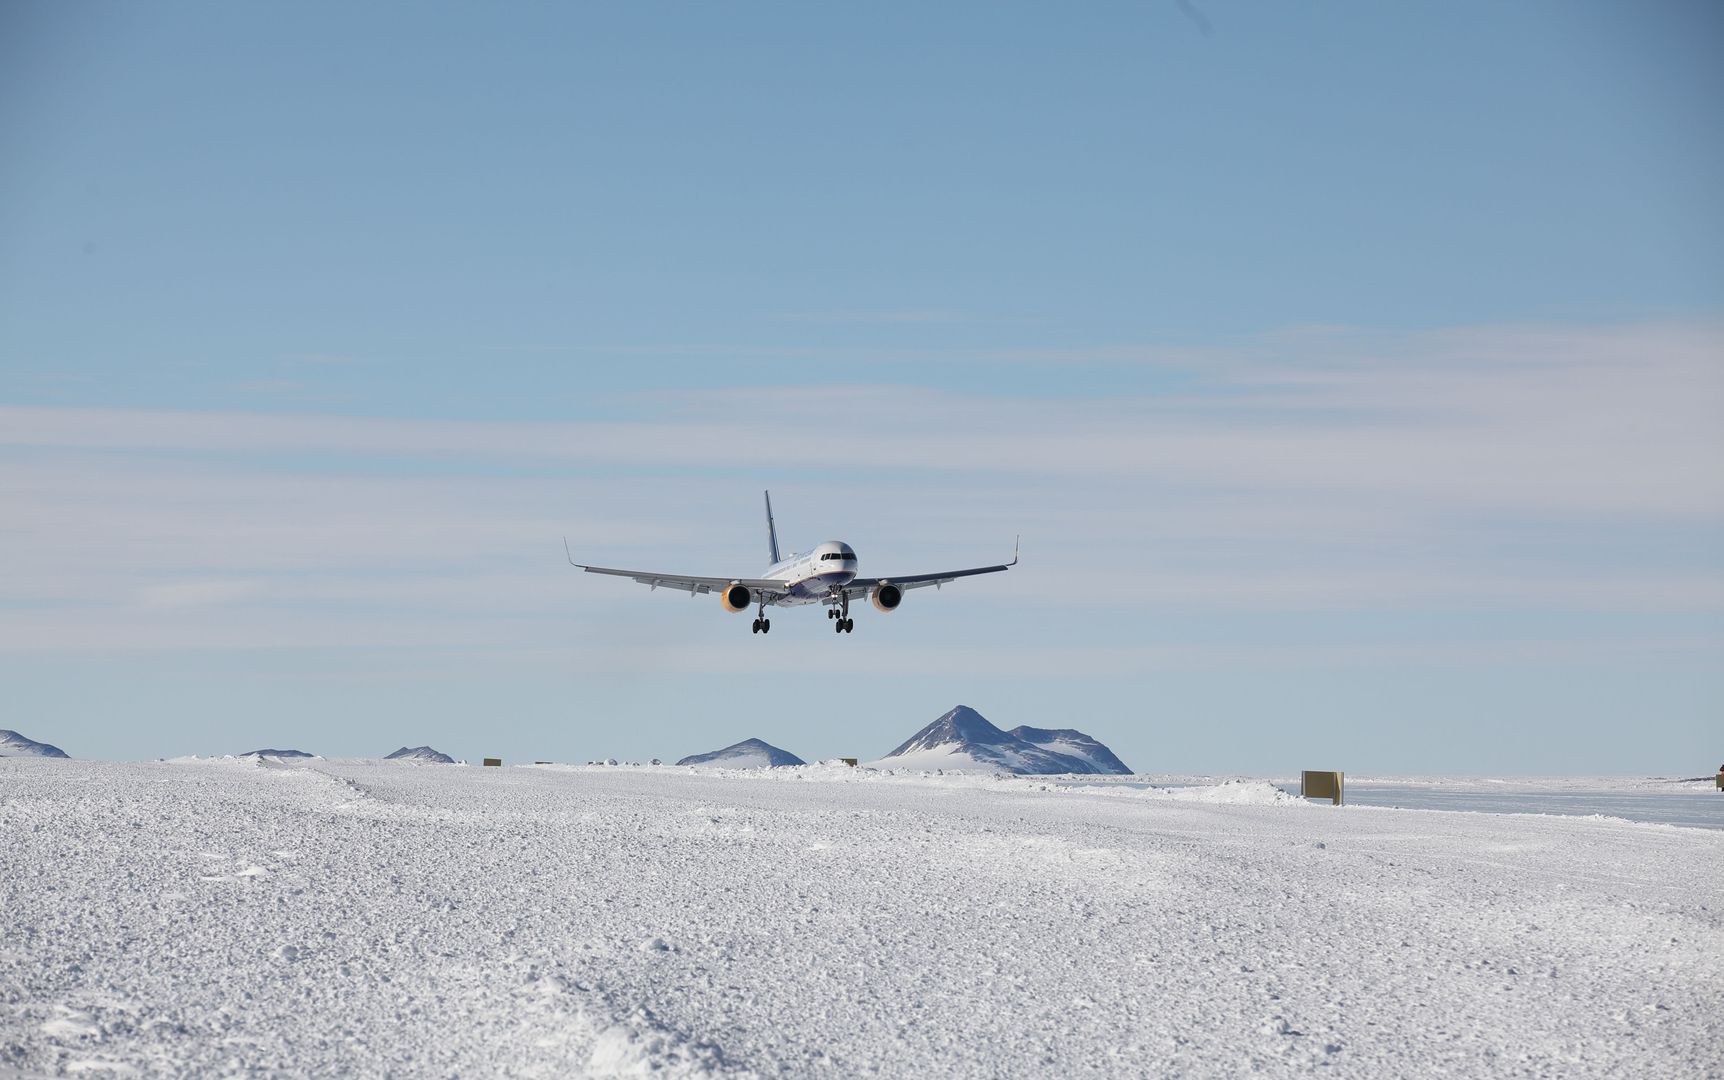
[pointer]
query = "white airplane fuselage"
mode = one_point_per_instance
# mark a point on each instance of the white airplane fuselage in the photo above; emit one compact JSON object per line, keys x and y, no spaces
{"x":827,"y":575}
{"x":814,"y":576}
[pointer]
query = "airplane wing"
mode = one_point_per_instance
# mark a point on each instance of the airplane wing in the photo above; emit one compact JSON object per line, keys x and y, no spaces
{"x":688,"y":583}
{"x":860,"y":587}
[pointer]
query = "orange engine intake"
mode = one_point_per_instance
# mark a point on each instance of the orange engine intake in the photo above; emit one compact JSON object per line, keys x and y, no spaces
{"x":735,"y":598}
{"x":886,"y":597}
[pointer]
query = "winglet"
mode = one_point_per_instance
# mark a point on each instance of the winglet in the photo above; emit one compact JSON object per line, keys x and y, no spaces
{"x":570,"y":554}
{"x":1014,"y":561}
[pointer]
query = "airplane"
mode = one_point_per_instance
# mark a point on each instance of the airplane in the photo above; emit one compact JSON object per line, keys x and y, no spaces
{"x":825,"y":575}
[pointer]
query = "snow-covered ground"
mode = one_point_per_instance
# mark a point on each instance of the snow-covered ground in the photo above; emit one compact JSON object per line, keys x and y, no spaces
{"x":329,"y":917}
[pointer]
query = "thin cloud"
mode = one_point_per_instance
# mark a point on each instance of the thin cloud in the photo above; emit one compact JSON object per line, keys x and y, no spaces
{"x":1509,"y":469}
{"x":192,"y":594}
{"x":1612,"y":423}
{"x":899,"y":317}
{"x":1198,"y":19}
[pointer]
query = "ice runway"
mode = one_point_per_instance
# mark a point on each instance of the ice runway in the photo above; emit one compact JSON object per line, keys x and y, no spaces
{"x":1692,"y":802}
{"x":320,"y":918}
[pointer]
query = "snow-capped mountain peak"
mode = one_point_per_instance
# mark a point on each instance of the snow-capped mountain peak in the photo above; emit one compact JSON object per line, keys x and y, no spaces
{"x":962,"y":725}
{"x":747,"y":754}
{"x":420,"y":753}
{"x":964,"y":739}
{"x":12,"y":744}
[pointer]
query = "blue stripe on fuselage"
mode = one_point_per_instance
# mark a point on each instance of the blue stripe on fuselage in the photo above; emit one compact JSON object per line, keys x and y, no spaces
{"x":818,"y":586}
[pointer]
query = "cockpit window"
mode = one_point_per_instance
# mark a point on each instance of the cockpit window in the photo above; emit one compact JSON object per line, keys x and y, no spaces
{"x":838,"y":555}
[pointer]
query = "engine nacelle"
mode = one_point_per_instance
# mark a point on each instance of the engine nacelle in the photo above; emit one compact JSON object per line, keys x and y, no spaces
{"x":735,"y":598}
{"x":886,"y":597}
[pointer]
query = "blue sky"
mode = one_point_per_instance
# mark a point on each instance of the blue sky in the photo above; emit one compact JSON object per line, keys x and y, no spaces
{"x":1353,"y":372}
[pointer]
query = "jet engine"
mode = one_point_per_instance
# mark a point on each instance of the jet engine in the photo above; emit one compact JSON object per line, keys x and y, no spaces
{"x":886,"y":596}
{"x":735,"y":598}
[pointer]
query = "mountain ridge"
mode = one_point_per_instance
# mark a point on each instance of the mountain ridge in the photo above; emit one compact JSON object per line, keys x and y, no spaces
{"x":420,"y":753}
{"x":17,"y":744}
{"x":1073,"y":743}
{"x":747,"y":754}
{"x":963,"y":738}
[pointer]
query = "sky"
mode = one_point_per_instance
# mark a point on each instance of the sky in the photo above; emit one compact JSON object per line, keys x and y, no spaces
{"x":1353,"y":374}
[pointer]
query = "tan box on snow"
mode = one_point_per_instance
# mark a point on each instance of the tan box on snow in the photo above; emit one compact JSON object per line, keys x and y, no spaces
{"x":1323,"y":785}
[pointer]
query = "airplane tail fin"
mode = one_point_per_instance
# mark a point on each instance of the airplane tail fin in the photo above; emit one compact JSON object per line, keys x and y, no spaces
{"x":772,"y":531}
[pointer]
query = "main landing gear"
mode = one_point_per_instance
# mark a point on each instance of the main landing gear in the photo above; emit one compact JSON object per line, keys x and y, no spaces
{"x":762,"y":624}
{"x":843,"y":623}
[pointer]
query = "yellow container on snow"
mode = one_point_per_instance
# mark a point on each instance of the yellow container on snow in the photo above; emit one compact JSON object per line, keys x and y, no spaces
{"x":1323,"y":785}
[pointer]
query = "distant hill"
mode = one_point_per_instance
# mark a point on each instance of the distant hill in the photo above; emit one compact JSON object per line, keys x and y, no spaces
{"x":420,"y":753}
{"x":1073,"y":743}
{"x":748,"y":754}
{"x":13,"y":744}
{"x":964,"y":739}
{"x":277,"y":753}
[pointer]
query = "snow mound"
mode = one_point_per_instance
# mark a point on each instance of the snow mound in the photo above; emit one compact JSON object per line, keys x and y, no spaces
{"x":1227,"y":793}
{"x":420,"y":753}
{"x":277,"y":753}
{"x":964,"y":740}
{"x":747,"y":754}
{"x":1231,"y":793}
{"x":13,"y":744}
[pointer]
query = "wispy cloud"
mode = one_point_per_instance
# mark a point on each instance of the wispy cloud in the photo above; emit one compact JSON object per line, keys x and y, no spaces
{"x":909,"y":317}
{"x":188,"y":594}
{"x":320,"y":359}
{"x":1508,"y":468}
{"x":898,"y":317}
{"x":1528,"y":421}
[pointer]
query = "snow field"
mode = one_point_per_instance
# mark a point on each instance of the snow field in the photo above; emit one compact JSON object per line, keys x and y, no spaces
{"x":329,"y":917}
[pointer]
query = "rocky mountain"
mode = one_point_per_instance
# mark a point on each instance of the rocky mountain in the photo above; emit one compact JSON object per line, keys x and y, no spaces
{"x":964,"y":739}
{"x":420,"y":753}
{"x":13,"y":744}
{"x":277,"y":753}
{"x":748,"y":754}
{"x":1073,"y":743}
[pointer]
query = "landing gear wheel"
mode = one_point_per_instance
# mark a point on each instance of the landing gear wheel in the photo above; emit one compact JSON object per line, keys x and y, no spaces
{"x":766,"y":626}
{"x":757,"y":626}
{"x":849,"y":625}
{"x":838,"y":627}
